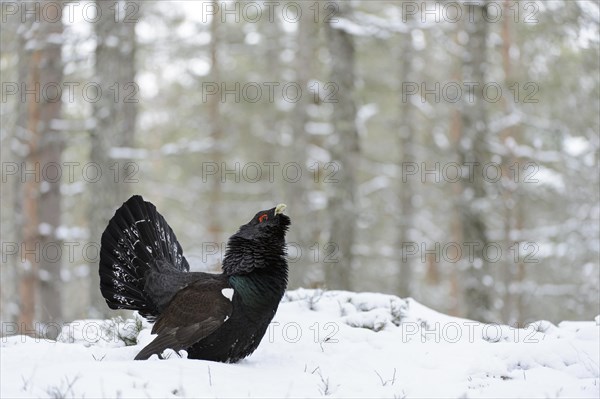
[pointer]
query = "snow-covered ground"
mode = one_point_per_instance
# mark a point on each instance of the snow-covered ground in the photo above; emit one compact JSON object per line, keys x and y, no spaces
{"x":337,"y":344}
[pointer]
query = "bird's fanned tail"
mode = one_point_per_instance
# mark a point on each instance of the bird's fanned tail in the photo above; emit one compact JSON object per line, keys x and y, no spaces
{"x":136,"y":239}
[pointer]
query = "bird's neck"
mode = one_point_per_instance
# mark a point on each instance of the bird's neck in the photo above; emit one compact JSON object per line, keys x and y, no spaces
{"x":244,"y":256}
{"x":257,"y":271}
{"x":260,"y":290}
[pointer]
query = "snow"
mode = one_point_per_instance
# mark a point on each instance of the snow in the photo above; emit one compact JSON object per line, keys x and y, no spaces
{"x":127,"y":153}
{"x":333,"y":343}
{"x":576,"y":146}
{"x":45,"y":229}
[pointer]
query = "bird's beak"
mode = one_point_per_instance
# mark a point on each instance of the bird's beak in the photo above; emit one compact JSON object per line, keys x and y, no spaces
{"x":280,"y":208}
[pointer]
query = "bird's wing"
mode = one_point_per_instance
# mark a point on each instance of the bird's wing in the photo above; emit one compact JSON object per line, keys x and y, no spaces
{"x":194,"y":313}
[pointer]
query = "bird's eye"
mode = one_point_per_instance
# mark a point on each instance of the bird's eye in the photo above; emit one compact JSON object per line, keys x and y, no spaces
{"x":262,"y":218}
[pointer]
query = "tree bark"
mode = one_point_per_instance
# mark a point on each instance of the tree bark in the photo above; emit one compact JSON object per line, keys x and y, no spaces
{"x":41,"y":66}
{"x":456,"y":227}
{"x":473,"y":153}
{"x":296,"y":192}
{"x":513,"y":271}
{"x":51,"y":147}
{"x":115,"y":116}
{"x":406,"y":189}
{"x":26,"y":205}
{"x":215,"y":228}
{"x":344,"y":149}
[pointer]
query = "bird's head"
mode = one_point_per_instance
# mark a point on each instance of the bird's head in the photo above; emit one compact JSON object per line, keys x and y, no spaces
{"x":258,"y":244}
{"x":268,"y":225}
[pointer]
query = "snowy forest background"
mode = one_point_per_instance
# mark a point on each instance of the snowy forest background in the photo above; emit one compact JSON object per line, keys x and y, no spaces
{"x":446,"y":151}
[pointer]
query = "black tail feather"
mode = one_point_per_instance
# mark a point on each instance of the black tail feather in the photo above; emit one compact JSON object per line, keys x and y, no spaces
{"x":136,"y":237}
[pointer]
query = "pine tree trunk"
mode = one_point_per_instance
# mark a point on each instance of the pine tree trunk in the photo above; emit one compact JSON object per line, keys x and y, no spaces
{"x":296,"y":192}
{"x":215,"y":228}
{"x":344,"y":148}
{"x":473,"y":151}
{"x":406,"y":189}
{"x":51,"y":147}
{"x":115,"y":116}
{"x":456,"y":229}
{"x":41,"y":66}
{"x":508,"y":267}
{"x":26,"y":204}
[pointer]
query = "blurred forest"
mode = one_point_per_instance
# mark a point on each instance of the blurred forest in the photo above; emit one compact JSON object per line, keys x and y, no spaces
{"x":446,"y":151}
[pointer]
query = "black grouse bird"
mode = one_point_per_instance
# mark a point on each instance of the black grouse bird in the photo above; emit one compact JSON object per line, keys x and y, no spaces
{"x":219,"y":317}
